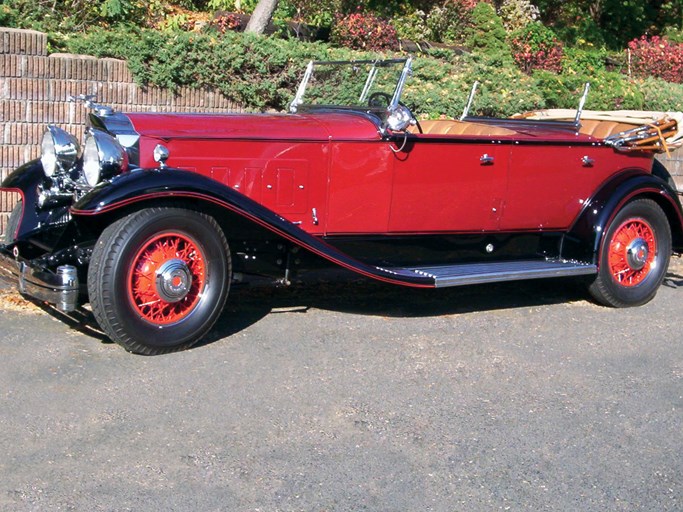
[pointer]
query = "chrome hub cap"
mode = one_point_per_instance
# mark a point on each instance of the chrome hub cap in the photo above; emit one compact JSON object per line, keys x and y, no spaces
{"x":173,"y":280}
{"x":637,"y":253}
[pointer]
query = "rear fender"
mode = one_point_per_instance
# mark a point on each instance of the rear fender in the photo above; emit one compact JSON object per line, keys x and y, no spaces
{"x":583,"y":240}
{"x":143,"y":188}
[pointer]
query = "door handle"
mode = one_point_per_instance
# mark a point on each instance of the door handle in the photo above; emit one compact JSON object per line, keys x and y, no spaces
{"x":486,"y":159}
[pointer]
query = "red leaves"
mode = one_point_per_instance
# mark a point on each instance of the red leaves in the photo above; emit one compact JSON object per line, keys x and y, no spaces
{"x":657,"y":57}
{"x":364,"y":31}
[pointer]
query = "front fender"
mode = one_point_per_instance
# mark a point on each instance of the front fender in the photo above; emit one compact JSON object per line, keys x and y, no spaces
{"x":145,"y":186}
{"x":583,"y":240}
{"x":26,"y":180}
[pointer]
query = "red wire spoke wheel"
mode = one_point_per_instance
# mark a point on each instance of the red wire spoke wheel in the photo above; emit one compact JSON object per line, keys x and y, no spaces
{"x":167,"y":278}
{"x":634,"y":255}
{"x":632,"y":251}
{"x":158,"y":279}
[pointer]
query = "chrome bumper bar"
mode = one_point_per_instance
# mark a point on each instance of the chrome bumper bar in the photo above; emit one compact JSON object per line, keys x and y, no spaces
{"x":60,"y":289}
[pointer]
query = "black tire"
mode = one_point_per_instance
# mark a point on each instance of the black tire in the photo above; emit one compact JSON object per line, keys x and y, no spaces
{"x":634,"y":256}
{"x":13,"y":223}
{"x":158,"y":279}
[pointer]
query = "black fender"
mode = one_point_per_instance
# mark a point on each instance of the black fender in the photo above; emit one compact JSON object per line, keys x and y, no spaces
{"x":583,"y":240}
{"x":26,"y":180}
{"x":146,"y":186}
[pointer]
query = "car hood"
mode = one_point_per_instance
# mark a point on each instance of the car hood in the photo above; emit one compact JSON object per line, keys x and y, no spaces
{"x":315,"y":126}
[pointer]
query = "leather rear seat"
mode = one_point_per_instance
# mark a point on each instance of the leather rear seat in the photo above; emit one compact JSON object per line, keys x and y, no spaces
{"x":453,"y":127}
{"x":602,"y":129}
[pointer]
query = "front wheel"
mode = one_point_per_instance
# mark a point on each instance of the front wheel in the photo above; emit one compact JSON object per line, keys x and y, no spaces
{"x":634,"y":256}
{"x":159,"y":278}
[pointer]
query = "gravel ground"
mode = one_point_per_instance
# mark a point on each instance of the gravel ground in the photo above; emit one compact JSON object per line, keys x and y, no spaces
{"x":354,"y":396}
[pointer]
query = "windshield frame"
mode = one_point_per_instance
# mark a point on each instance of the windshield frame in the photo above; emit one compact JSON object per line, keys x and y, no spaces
{"x":298,"y":100}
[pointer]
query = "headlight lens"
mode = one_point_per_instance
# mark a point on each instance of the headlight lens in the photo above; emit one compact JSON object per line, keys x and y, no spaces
{"x":59,"y":151}
{"x":103,"y":157}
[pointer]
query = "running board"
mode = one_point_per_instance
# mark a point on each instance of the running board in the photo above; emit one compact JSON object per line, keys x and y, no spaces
{"x":477,"y":273}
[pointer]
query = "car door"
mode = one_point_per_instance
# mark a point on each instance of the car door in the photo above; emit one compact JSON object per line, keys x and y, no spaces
{"x":549,"y":183}
{"x":448,"y":184}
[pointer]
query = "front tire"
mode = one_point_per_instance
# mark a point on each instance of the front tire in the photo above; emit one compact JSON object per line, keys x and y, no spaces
{"x":634,"y":256}
{"x":158,"y":279}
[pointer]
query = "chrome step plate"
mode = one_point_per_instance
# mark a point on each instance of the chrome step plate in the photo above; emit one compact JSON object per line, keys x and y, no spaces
{"x":477,"y":273}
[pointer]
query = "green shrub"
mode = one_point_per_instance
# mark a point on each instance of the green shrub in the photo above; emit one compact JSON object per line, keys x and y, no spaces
{"x":447,"y":23}
{"x":262,"y":73}
{"x":584,"y":61}
{"x":412,"y":26}
{"x":486,"y":36}
{"x":517,"y":14}
{"x":609,"y":91}
{"x":536,"y":47}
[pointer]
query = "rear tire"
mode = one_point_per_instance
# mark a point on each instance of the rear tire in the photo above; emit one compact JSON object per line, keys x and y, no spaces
{"x":158,"y":279}
{"x":634,"y":256}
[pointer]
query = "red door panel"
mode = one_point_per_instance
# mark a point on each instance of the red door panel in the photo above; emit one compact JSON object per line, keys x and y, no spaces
{"x":359,"y":187}
{"x":448,"y":186}
{"x":548,"y":186}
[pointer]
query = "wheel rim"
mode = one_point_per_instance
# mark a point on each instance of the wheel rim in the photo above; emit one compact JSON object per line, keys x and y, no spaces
{"x":167,"y":278}
{"x":632,"y":252}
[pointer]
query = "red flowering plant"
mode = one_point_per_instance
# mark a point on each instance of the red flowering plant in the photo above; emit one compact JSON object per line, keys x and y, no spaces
{"x":364,"y":31}
{"x":536,"y":47}
{"x":657,"y":57}
{"x":227,"y":21}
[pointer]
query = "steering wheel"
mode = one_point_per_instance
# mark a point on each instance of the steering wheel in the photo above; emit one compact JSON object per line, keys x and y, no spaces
{"x":375,"y":100}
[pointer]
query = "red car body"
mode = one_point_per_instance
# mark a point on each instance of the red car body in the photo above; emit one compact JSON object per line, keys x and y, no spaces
{"x":186,"y":204}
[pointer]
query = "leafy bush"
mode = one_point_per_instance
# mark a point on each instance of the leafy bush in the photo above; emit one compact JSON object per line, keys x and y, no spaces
{"x":447,"y":24}
{"x":413,"y":26}
{"x":517,"y":14}
{"x":262,"y":73}
{"x":585,"y":62}
{"x":486,"y":36}
{"x":657,"y":57}
{"x":609,"y":91}
{"x":536,"y":47}
{"x":661,"y":95}
{"x":364,"y":31}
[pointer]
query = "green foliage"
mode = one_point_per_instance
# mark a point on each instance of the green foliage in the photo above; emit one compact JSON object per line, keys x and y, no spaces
{"x":412,"y":26}
{"x":536,"y":47}
{"x":609,"y":91}
{"x":661,"y":95}
{"x":486,"y":35}
{"x":610,"y":22}
{"x":447,"y":23}
{"x":585,"y":62}
{"x":517,"y":14}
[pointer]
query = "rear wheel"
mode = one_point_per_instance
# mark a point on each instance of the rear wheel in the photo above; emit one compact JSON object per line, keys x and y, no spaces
{"x":158,"y":279}
{"x":634,"y":256}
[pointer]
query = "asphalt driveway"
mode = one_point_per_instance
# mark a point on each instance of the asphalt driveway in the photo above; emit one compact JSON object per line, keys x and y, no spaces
{"x":354,"y":396}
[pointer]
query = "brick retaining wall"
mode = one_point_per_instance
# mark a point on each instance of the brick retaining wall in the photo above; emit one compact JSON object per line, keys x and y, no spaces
{"x":34,"y":88}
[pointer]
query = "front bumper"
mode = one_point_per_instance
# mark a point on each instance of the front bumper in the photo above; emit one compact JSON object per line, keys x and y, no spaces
{"x":60,"y":288}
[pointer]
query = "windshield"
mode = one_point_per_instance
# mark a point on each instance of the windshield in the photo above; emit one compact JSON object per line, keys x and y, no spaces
{"x":352,"y":84}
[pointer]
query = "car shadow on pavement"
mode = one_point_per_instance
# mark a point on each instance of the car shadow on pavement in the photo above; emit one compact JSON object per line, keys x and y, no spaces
{"x":360,"y":296}
{"x":346,"y":293}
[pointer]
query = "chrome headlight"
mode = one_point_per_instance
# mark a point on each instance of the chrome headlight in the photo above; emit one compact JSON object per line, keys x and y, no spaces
{"x":59,"y":151}
{"x":399,"y":118}
{"x":103,"y":157}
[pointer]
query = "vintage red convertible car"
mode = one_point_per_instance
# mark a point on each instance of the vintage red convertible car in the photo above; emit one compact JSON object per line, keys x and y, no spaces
{"x":154,"y":218}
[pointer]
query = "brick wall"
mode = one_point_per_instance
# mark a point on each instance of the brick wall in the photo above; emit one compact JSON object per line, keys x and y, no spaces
{"x":34,"y":88}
